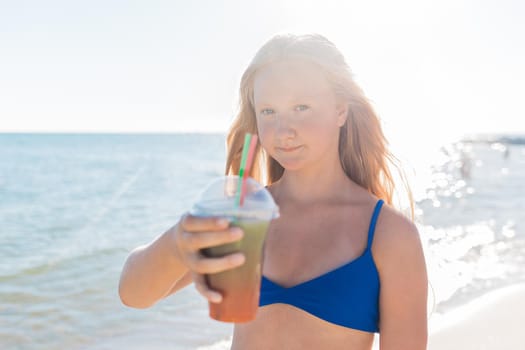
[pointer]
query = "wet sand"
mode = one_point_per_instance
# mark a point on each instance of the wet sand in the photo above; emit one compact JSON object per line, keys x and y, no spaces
{"x":494,"y":321}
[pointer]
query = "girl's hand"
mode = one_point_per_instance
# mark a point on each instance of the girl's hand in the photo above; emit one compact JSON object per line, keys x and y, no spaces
{"x":195,"y":233}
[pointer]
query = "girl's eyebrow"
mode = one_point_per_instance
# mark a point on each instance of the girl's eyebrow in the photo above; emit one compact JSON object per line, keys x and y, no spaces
{"x":262,"y":105}
{"x":295,"y":99}
{"x":298,"y":98}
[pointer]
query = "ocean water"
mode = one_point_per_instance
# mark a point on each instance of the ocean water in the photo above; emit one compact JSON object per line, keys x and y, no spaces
{"x":72,"y":206}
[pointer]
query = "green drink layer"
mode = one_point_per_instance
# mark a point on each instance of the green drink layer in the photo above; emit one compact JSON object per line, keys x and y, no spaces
{"x":240,"y":286}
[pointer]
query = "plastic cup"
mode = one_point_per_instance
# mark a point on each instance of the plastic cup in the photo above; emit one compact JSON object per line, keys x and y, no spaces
{"x":239,"y":286}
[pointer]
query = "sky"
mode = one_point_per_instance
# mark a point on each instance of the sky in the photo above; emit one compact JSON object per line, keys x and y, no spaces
{"x":430,"y":68}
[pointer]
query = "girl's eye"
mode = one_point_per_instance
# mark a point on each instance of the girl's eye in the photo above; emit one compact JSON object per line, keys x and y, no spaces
{"x":301,"y":108}
{"x":266,"y":111}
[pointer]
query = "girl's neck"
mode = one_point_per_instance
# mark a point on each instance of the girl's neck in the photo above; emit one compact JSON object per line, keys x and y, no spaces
{"x":318,"y":185}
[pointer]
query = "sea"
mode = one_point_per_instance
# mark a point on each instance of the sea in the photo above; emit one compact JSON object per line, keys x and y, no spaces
{"x":72,"y":207}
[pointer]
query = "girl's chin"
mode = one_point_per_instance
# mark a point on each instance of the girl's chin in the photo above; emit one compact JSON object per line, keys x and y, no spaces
{"x":290,"y":165}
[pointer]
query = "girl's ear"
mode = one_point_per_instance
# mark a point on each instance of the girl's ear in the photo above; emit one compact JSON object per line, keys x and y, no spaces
{"x":342,"y":113}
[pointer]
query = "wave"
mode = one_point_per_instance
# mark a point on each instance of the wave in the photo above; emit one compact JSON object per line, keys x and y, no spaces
{"x":496,"y":138}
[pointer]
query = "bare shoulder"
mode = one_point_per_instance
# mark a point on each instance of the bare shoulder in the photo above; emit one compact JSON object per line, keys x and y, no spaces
{"x":396,"y":237}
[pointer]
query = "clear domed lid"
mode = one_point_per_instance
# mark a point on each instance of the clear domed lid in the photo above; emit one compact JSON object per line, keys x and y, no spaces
{"x":221,"y":196}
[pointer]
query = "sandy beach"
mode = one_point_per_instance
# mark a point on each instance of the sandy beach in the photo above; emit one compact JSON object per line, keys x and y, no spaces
{"x":494,"y":321}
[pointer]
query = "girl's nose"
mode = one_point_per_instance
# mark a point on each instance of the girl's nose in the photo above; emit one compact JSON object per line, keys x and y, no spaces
{"x":285,"y":129}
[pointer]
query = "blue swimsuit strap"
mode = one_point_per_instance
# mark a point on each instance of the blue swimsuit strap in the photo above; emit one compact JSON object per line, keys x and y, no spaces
{"x":373,"y":222}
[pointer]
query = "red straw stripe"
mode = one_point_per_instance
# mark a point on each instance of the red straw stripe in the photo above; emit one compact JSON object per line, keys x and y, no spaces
{"x":249,"y":160}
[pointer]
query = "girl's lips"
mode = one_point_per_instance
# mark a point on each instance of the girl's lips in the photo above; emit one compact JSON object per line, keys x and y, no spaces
{"x":288,"y":149}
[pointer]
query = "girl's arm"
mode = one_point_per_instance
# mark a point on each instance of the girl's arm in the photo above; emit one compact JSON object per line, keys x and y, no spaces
{"x":403,"y":298}
{"x":151,"y":271}
{"x":173,"y":260}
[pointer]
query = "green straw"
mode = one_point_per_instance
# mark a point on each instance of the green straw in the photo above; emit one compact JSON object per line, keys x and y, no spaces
{"x":244,"y":156}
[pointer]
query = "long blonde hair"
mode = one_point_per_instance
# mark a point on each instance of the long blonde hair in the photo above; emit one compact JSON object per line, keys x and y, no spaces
{"x":363,"y":148}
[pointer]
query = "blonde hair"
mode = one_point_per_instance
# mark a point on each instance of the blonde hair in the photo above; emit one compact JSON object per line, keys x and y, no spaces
{"x":363,"y":148}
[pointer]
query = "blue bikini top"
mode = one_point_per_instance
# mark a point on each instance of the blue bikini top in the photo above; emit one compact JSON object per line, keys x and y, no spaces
{"x":347,"y":296}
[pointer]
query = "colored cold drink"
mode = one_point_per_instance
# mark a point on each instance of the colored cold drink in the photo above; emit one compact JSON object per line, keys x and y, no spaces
{"x":240,"y":286}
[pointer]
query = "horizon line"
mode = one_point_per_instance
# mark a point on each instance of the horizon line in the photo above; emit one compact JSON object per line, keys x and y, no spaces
{"x":111,"y":132}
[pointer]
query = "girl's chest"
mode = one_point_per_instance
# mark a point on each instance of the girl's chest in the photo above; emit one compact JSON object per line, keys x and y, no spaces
{"x":305,"y":245}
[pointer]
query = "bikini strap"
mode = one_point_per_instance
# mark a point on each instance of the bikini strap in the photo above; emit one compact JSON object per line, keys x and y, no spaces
{"x":373,"y":221}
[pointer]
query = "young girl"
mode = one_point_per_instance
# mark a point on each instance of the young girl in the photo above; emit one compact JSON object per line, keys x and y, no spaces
{"x":339,"y":263}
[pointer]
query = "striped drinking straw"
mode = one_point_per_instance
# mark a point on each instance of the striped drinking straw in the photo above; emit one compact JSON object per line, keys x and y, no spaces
{"x":248,"y":150}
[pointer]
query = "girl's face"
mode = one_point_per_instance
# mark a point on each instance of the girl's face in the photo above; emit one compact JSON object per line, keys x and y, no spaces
{"x":298,"y":114}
